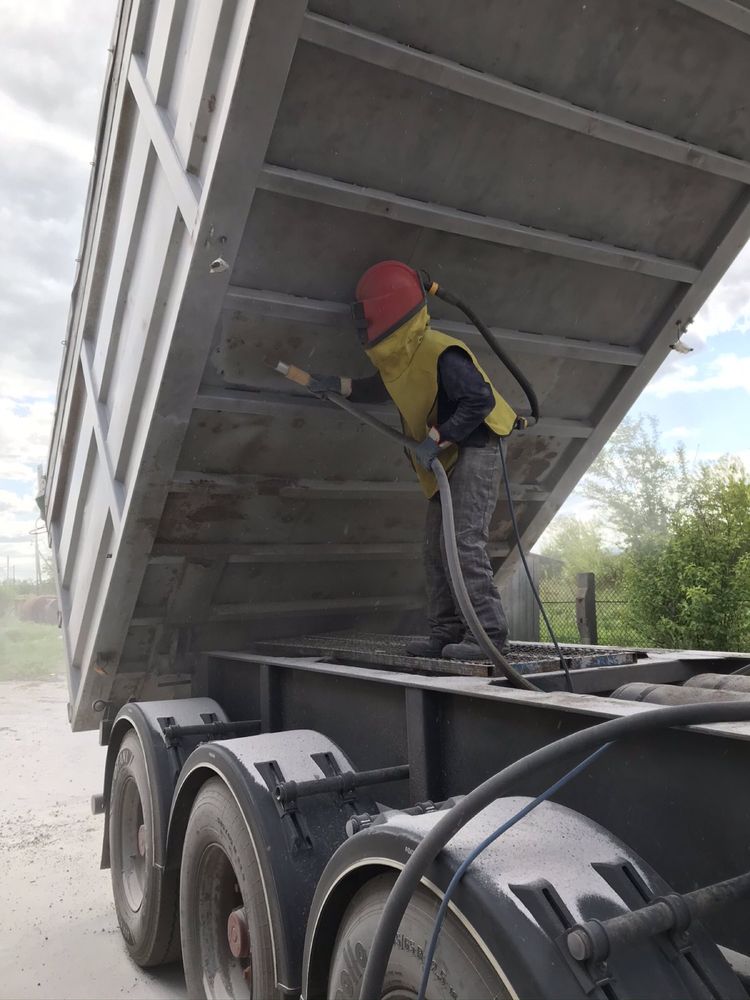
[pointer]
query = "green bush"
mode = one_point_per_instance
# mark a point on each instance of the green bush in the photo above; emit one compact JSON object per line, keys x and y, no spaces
{"x":693,"y":590}
{"x":28,"y":650}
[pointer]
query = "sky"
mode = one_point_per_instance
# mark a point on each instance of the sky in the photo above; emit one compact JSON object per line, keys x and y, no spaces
{"x":54,"y":54}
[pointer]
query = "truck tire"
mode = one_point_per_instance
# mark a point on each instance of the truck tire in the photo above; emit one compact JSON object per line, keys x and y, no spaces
{"x":226,"y":939}
{"x":460,"y":967}
{"x":145,"y":897}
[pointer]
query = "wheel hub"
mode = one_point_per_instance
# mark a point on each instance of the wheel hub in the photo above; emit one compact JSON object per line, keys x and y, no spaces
{"x":142,"y":840}
{"x":238,"y":934}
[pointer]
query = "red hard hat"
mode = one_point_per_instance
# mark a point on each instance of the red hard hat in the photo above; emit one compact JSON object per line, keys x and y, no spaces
{"x":388,"y":294}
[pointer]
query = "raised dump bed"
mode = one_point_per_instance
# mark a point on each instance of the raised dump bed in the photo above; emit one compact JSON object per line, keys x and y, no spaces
{"x":577,"y":172}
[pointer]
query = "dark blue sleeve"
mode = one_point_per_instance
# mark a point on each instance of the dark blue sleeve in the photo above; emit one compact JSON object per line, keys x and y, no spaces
{"x":465,"y":387}
{"x":369,"y":390}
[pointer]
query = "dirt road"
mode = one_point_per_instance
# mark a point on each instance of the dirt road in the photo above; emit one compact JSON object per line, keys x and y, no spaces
{"x":58,"y":933}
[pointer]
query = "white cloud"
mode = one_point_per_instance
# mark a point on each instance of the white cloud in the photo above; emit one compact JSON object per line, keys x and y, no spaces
{"x":51,"y":73}
{"x":25,"y":428}
{"x":679,"y":433}
{"x":728,"y":307}
{"x":743,"y":455}
{"x":728,"y":371}
{"x":24,"y":389}
{"x":20,"y":127}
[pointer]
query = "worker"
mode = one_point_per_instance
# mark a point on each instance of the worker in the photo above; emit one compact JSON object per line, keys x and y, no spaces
{"x":448,"y":404}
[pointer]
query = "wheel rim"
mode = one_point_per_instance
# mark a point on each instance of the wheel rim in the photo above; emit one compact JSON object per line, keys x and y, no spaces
{"x":224,"y":937}
{"x":133,"y":845}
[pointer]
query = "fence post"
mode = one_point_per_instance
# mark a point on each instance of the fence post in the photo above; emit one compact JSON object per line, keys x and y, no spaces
{"x":586,"y":608}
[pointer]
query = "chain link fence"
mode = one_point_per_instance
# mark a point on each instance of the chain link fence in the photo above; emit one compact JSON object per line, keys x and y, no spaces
{"x":616,"y":623}
{"x":558,"y":594}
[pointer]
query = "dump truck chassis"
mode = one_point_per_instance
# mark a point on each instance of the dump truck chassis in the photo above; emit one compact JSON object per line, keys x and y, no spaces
{"x":387,"y":751}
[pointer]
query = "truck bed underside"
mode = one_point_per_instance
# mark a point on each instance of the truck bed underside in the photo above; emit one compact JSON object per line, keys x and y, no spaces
{"x":578,"y":173}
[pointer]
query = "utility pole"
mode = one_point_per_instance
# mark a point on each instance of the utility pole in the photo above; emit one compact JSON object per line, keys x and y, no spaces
{"x":38,"y":564}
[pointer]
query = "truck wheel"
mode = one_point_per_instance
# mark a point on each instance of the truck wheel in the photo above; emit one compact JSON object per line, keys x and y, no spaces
{"x":460,"y":967}
{"x":226,"y":939}
{"x":145,"y":898}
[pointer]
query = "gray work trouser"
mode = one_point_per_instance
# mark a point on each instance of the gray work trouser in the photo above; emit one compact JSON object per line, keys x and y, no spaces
{"x":474,"y":482}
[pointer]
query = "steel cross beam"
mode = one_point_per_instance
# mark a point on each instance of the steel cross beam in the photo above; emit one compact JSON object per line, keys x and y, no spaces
{"x":338,"y":194}
{"x":185,"y":186}
{"x":99,"y":421}
{"x":147,"y":618}
{"x":379,"y":51}
{"x":317,"y":489}
{"x":279,"y":305}
{"x":727,"y":11}
{"x":217,"y":399}
{"x":166,"y":553}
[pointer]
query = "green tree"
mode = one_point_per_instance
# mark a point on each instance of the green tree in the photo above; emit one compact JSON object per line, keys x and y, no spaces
{"x":694,"y":590}
{"x":635,"y":485}
{"x":580,"y":545}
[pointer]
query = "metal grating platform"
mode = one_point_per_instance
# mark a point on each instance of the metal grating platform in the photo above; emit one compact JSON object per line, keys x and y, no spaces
{"x":388,"y":652}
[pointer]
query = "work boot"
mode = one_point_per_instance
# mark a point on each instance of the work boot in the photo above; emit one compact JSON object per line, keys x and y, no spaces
{"x":428,"y":646}
{"x":469,"y":650}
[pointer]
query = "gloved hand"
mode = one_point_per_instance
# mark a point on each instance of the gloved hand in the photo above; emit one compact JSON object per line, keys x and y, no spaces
{"x":321,"y":384}
{"x":427,"y":451}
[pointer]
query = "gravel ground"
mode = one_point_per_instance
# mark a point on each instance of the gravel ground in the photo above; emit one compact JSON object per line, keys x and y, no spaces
{"x":58,"y":932}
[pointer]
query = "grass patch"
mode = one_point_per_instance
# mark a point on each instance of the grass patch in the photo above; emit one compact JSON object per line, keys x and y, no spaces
{"x":29,"y":651}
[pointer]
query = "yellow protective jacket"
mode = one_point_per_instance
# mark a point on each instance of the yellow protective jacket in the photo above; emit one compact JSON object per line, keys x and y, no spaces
{"x":407,"y":360}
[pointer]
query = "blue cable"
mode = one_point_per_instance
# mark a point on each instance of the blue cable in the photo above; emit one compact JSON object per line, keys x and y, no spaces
{"x":460,"y":871}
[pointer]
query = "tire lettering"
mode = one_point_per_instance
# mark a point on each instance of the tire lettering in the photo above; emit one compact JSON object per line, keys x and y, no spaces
{"x":355,"y":960}
{"x":404,"y":943}
{"x":127,"y":933}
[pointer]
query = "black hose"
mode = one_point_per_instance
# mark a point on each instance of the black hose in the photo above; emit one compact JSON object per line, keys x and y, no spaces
{"x":470,"y":858}
{"x":466,"y":809}
{"x":530,"y":578}
{"x":459,"y":585}
{"x":451,"y":549}
{"x":434,"y":289}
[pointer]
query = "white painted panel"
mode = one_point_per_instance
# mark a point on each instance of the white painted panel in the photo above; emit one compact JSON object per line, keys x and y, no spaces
{"x":118,"y":276}
{"x":153,"y":354}
{"x":195,"y":103}
{"x":169,"y":97}
{"x":75,"y":499}
{"x":165,"y":32}
{"x":164,"y":344}
{"x":92,"y":537}
{"x":148,"y":264}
